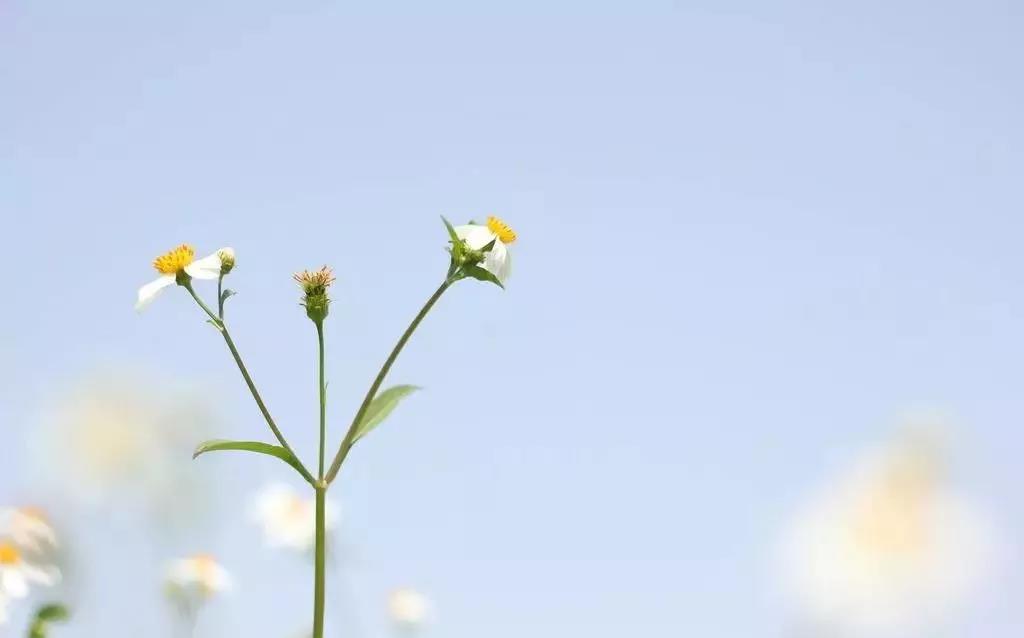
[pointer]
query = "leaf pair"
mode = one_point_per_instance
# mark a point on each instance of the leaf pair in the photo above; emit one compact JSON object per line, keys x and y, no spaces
{"x":379,"y":409}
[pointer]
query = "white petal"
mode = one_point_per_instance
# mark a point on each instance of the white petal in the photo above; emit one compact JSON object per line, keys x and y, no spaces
{"x":218,"y":579}
{"x":149,"y":292}
{"x":499,"y":261}
{"x":46,"y":577}
{"x":206,"y":268}
{"x":13,"y":582}
{"x":475,"y":236}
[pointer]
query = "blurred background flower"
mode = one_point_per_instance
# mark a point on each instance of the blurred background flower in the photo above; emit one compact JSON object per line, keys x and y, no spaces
{"x":288,"y":519}
{"x":124,"y":438}
{"x":409,"y":610}
{"x":190,"y":583}
{"x":27,"y":555}
{"x":888,"y":548}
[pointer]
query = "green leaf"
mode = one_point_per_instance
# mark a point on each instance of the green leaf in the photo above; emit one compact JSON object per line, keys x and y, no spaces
{"x":218,"y":445}
{"x":476,"y":272}
{"x":45,"y":615}
{"x":381,"y":407}
{"x":457,"y":245}
{"x":226,"y":294}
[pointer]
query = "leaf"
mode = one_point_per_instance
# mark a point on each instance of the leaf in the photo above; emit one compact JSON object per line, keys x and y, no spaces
{"x":476,"y":272}
{"x":218,"y":445}
{"x":45,"y":615}
{"x":381,"y":407}
{"x":226,"y":294}
{"x":457,"y":245}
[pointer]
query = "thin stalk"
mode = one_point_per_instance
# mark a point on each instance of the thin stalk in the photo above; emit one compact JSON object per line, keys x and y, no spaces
{"x":346,"y":443}
{"x":220,"y":297}
{"x":323,"y":397}
{"x":320,"y":570}
{"x":219,"y":324}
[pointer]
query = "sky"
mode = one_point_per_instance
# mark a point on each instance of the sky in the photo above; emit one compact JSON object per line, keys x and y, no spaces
{"x":752,"y":237}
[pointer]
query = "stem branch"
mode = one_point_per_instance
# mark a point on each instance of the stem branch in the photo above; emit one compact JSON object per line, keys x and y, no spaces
{"x":346,"y":444}
{"x":219,"y":324}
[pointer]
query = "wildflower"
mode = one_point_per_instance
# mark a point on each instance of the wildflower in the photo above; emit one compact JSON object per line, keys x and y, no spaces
{"x":287,"y":519}
{"x":198,"y":576}
{"x":888,"y":548}
{"x":178,"y":265}
{"x":409,"y":608}
{"x":227,"y":260}
{"x":498,"y":260}
{"x":27,"y":527}
{"x":17,"y":574}
{"x":314,"y":287}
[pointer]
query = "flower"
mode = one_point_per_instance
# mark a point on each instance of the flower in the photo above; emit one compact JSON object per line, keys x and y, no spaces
{"x":887,"y":549}
{"x":409,"y":608}
{"x":498,"y":261}
{"x":110,"y":441}
{"x":17,"y":574}
{"x":227,"y":260}
{"x":287,"y":519}
{"x":181,"y":261}
{"x":27,"y":527}
{"x":198,"y":576}
{"x":314,"y":286}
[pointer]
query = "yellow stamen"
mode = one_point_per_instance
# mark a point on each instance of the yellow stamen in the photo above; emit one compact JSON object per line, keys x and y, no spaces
{"x":9,"y":554}
{"x":501,"y":229}
{"x":174,"y":261}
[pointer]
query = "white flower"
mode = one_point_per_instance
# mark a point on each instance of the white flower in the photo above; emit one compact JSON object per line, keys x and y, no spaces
{"x":182,"y":259}
{"x":288,"y":519}
{"x":409,"y":609}
{"x":17,"y":575}
{"x":200,"y":576}
{"x":28,"y":528}
{"x":888,"y":549}
{"x":499,"y":260}
{"x":112,"y":441}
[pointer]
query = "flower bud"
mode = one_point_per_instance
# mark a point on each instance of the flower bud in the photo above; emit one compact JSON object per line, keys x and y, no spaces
{"x":227,"y":260}
{"x":314,"y":287}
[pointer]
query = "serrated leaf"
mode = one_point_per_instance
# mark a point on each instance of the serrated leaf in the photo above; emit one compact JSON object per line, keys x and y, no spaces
{"x":219,"y":445}
{"x":381,"y":406}
{"x":476,"y":272}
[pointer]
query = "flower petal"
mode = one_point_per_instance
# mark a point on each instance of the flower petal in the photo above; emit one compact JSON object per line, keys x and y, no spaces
{"x":13,"y":582}
{"x":499,"y":261}
{"x":46,"y":577}
{"x":149,"y":292}
{"x":475,"y":236}
{"x":206,"y":268}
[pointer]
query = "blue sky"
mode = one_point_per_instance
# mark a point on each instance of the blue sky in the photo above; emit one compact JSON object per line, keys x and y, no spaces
{"x":751,"y":236}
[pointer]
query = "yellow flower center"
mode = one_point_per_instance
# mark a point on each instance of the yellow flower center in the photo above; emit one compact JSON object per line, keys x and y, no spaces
{"x":174,"y":261}
{"x":501,"y":229}
{"x":9,"y":554}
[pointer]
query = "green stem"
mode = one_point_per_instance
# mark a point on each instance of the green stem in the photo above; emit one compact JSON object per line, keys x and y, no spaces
{"x":346,"y":444}
{"x":320,"y":570}
{"x":220,"y":297}
{"x":219,"y":324}
{"x":323,"y":396}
